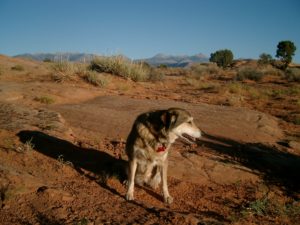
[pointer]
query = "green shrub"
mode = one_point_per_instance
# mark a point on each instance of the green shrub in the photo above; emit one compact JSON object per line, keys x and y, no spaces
{"x":47,"y":60}
{"x":285,"y":52}
{"x":250,"y":73}
{"x":297,"y":120}
{"x":259,"y":207}
{"x":265,"y":59}
{"x":293,"y":74}
{"x":162,"y":66}
{"x":223,"y":58}
{"x":118,"y":65}
{"x":17,"y":68}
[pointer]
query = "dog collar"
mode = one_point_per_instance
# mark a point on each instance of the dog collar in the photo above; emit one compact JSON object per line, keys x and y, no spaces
{"x":161,"y":149}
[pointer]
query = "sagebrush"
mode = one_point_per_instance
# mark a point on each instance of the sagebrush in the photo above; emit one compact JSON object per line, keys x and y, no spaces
{"x":121,"y":66}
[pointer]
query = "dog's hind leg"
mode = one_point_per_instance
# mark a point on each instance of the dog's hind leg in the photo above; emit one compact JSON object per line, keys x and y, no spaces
{"x":131,"y":177}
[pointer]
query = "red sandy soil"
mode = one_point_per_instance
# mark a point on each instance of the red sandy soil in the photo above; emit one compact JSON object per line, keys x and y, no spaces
{"x":63,"y":163}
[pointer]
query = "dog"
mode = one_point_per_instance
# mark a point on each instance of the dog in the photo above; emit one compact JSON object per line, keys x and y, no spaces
{"x":148,"y":144}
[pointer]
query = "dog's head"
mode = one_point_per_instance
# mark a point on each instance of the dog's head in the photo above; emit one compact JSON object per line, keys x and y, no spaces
{"x":180,"y":123}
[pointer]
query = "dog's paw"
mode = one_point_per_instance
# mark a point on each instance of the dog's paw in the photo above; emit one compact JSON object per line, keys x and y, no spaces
{"x":125,"y":183}
{"x":129,"y":197}
{"x":168,"y":199}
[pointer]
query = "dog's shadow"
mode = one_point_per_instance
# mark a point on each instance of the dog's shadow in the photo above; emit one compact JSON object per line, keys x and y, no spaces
{"x":95,"y":164}
{"x":275,"y":167}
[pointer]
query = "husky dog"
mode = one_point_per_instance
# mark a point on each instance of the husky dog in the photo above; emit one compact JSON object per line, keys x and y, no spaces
{"x":148,"y":145}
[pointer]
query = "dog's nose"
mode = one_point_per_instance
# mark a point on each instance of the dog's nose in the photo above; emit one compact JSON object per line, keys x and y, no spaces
{"x":200,"y":133}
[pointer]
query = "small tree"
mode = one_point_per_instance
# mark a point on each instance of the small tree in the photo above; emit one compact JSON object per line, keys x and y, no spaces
{"x":223,"y":58}
{"x":47,"y":60}
{"x":285,"y":52}
{"x":265,"y":59}
{"x":162,"y":66}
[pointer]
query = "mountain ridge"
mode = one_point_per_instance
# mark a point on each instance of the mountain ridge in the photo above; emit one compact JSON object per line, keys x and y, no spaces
{"x":156,"y":60}
{"x":175,"y":60}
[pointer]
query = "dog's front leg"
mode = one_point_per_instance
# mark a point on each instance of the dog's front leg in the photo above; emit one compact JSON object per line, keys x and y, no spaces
{"x":167,"y":198}
{"x":131,"y":177}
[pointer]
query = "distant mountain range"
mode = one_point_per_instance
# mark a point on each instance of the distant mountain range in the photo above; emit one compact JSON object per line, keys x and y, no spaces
{"x":175,"y":61}
{"x":159,"y":59}
{"x":73,"y":57}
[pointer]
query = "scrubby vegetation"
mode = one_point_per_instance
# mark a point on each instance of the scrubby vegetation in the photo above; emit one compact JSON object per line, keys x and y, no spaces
{"x":63,"y":70}
{"x":293,"y":74}
{"x":204,"y":69}
{"x":47,"y":60}
{"x":250,"y":73}
{"x":17,"y":68}
{"x":223,"y":58}
{"x":265,"y":59}
{"x":115,"y":65}
{"x":45,"y":99}
{"x":96,"y":78}
{"x":118,"y":65}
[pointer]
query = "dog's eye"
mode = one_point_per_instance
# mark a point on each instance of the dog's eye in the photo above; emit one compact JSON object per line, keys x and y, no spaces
{"x":190,"y":122}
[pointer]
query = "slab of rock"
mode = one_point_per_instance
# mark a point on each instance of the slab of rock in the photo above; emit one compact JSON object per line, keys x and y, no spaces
{"x":15,"y":117}
{"x":112,"y":116}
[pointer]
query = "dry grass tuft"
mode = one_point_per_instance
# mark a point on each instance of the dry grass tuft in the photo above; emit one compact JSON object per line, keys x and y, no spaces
{"x":63,"y":70}
{"x":118,"y":65}
{"x":45,"y":100}
{"x":204,"y":69}
{"x":17,"y":68}
{"x":293,"y":74}
{"x":96,"y":79}
{"x":250,"y":73}
{"x":271,"y":71}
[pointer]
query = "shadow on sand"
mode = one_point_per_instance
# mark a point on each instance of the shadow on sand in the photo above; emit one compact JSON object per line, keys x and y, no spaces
{"x":100,"y":165}
{"x":275,"y":167}
{"x":96,"y":165}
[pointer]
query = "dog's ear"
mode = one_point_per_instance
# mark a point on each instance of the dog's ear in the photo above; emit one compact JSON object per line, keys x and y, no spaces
{"x":164,"y":118}
{"x":168,"y":119}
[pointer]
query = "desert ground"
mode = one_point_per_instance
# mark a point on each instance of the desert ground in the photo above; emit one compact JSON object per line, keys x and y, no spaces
{"x":62,"y":141}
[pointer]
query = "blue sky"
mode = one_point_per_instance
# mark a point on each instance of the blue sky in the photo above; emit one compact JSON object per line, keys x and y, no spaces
{"x":143,"y":28}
